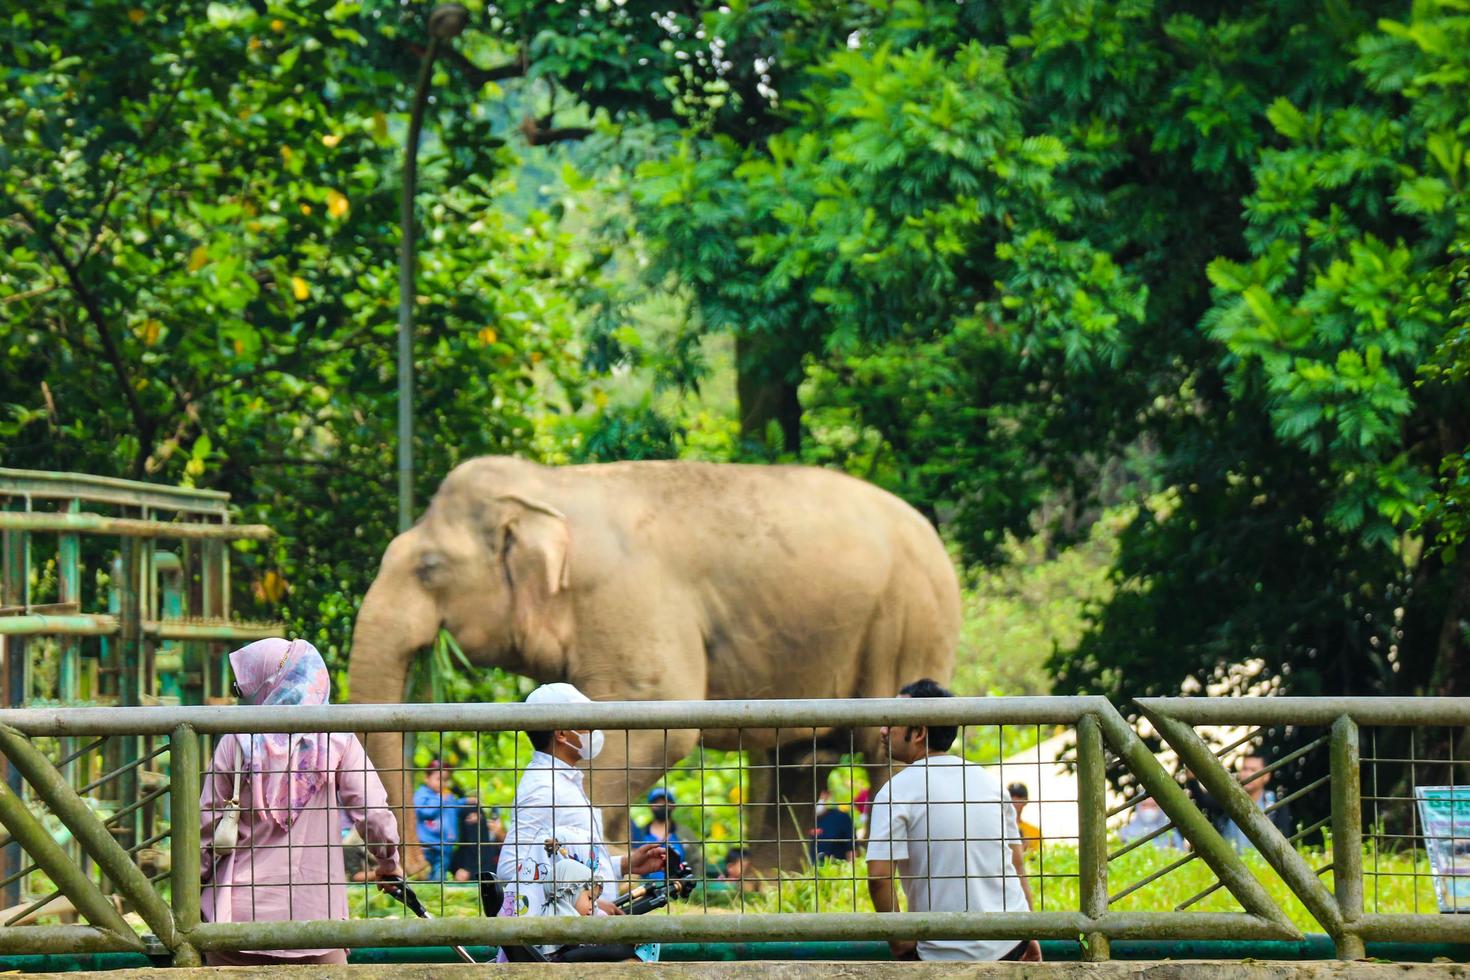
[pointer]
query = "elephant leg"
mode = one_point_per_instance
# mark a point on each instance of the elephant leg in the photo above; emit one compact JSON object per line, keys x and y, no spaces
{"x":394,"y":766}
{"x":785,"y":784}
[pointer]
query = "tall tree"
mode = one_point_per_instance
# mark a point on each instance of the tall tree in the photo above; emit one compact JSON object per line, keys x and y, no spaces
{"x":198,"y":207}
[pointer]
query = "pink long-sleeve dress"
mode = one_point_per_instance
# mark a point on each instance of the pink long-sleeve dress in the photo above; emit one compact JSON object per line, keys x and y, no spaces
{"x":275,"y":874}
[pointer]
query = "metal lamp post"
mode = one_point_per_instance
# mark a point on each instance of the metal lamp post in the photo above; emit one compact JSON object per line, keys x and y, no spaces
{"x":446,"y":21}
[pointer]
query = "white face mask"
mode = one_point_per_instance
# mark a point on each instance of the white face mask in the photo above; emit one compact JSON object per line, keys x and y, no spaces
{"x":589,"y":747}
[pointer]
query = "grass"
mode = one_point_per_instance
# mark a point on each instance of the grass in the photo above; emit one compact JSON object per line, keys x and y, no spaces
{"x":1402,"y":885}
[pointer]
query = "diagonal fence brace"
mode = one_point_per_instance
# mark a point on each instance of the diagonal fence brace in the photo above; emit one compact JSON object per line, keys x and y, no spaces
{"x":52,"y":787}
{"x":72,"y":882}
{"x":1193,"y":824}
{"x":1238,"y":805}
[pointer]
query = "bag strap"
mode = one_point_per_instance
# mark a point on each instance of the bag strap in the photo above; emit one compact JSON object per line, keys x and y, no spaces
{"x":242,"y":759}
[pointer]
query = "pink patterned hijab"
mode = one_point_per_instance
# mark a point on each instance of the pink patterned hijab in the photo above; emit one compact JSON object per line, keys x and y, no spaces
{"x":288,"y":770}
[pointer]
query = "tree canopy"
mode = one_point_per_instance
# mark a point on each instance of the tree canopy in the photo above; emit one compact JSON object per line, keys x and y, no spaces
{"x":1021,"y":263}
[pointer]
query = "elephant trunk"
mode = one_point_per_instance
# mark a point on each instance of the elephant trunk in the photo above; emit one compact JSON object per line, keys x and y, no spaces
{"x":396,"y":620}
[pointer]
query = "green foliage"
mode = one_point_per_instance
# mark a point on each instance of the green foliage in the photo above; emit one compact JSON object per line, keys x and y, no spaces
{"x":1019,"y":614}
{"x":200,"y":281}
{"x":1307,"y":479}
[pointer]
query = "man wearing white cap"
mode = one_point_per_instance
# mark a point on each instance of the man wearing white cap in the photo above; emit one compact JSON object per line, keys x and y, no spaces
{"x":551,"y":805}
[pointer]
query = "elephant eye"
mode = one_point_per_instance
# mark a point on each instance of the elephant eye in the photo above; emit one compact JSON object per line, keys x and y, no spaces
{"x":429,"y":567}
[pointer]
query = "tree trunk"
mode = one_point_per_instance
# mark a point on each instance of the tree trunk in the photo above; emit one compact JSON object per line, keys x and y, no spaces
{"x":1448,"y":678}
{"x":767,"y":379}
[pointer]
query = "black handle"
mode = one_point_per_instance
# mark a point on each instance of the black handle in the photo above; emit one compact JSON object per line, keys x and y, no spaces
{"x":398,"y":888}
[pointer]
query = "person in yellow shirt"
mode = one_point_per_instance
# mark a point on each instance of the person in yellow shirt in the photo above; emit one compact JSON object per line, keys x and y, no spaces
{"x":1030,"y":833}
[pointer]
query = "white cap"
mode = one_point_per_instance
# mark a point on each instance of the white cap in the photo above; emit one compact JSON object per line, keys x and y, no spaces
{"x":557,"y":694}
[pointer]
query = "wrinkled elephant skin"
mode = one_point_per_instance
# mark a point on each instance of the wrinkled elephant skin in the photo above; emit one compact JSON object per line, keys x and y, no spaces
{"x":662,"y":581}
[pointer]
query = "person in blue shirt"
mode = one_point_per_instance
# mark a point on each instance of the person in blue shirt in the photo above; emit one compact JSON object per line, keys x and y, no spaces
{"x":833,"y":836}
{"x":661,"y":829}
{"x":437,"y":815}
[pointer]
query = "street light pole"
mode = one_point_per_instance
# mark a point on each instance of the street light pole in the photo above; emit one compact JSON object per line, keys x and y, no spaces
{"x":446,"y":21}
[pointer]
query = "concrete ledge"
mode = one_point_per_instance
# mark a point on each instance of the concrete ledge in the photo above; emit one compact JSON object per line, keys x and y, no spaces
{"x":1168,"y":970}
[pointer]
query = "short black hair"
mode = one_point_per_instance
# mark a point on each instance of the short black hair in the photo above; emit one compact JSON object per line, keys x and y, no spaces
{"x":1019,"y":789}
{"x":941,"y":737}
{"x":540,"y":741}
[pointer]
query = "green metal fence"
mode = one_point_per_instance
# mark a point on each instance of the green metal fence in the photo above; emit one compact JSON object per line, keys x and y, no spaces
{"x":1108,"y":755}
{"x":113,"y":592}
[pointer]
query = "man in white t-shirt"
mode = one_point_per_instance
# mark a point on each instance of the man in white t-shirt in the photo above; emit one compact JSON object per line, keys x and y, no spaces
{"x":947,"y":827}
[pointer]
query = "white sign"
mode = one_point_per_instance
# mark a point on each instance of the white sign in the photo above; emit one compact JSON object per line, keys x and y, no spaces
{"x":1444,"y":815}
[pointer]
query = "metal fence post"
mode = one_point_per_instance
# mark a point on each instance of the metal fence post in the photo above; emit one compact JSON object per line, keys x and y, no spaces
{"x":65,"y":874}
{"x":1092,"y":841}
{"x":1239,"y":807}
{"x":1194,"y":825}
{"x":89,"y":832}
{"x":184,"y":830}
{"x":15,"y":590}
{"x":1347,"y":836}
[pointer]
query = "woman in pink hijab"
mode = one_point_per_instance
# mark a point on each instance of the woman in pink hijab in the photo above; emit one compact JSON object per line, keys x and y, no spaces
{"x":294,"y":791}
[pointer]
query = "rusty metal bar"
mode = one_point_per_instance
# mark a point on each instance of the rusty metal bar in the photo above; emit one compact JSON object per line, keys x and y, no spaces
{"x":1092,"y":841}
{"x":830,"y":926}
{"x":1303,"y":712}
{"x":50,"y":485}
{"x":94,"y":838}
{"x":184,"y":762}
{"x":69,"y":879}
{"x":1238,"y":805}
{"x":1347,"y":836}
{"x":103,"y":624}
{"x":1193,"y":824}
{"x":611,"y":715}
{"x":129,"y":527}
{"x":1415,"y":928}
{"x":22,"y":940}
{"x":184,"y":782}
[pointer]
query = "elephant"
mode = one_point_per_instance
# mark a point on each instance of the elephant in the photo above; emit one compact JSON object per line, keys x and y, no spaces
{"x":661,"y":580}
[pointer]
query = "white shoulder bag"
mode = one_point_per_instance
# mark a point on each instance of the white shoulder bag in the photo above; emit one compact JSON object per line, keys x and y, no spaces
{"x":227,"y":829}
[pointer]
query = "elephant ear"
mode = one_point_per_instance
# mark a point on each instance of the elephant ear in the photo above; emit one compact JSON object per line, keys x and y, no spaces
{"x":534,"y":544}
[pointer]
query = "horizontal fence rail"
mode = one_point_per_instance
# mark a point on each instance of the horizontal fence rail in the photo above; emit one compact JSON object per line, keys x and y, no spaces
{"x":1145,"y":811}
{"x":623,"y":715}
{"x":131,"y":527}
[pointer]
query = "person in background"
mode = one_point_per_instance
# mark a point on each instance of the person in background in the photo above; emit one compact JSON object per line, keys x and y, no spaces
{"x":286,"y":859}
{"x":862,"y":805}
{"x":661,"y":829}
{"x":436,"y":808}
{"x":1147,"y":818}
{"x":1206,"y":803}
{"x":1030,"y":833}
{"x":477,"y":853}
{"x":1256,"y":785}
{"x":944,"y":826}
{"x":832,"y":837}
{"x":736,"y":869}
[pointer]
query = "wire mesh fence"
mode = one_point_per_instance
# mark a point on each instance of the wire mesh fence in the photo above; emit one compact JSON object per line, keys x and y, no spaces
{"x":1037,"y":818}
{"x":1416,"y":814}
{"x":127,"y":799}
